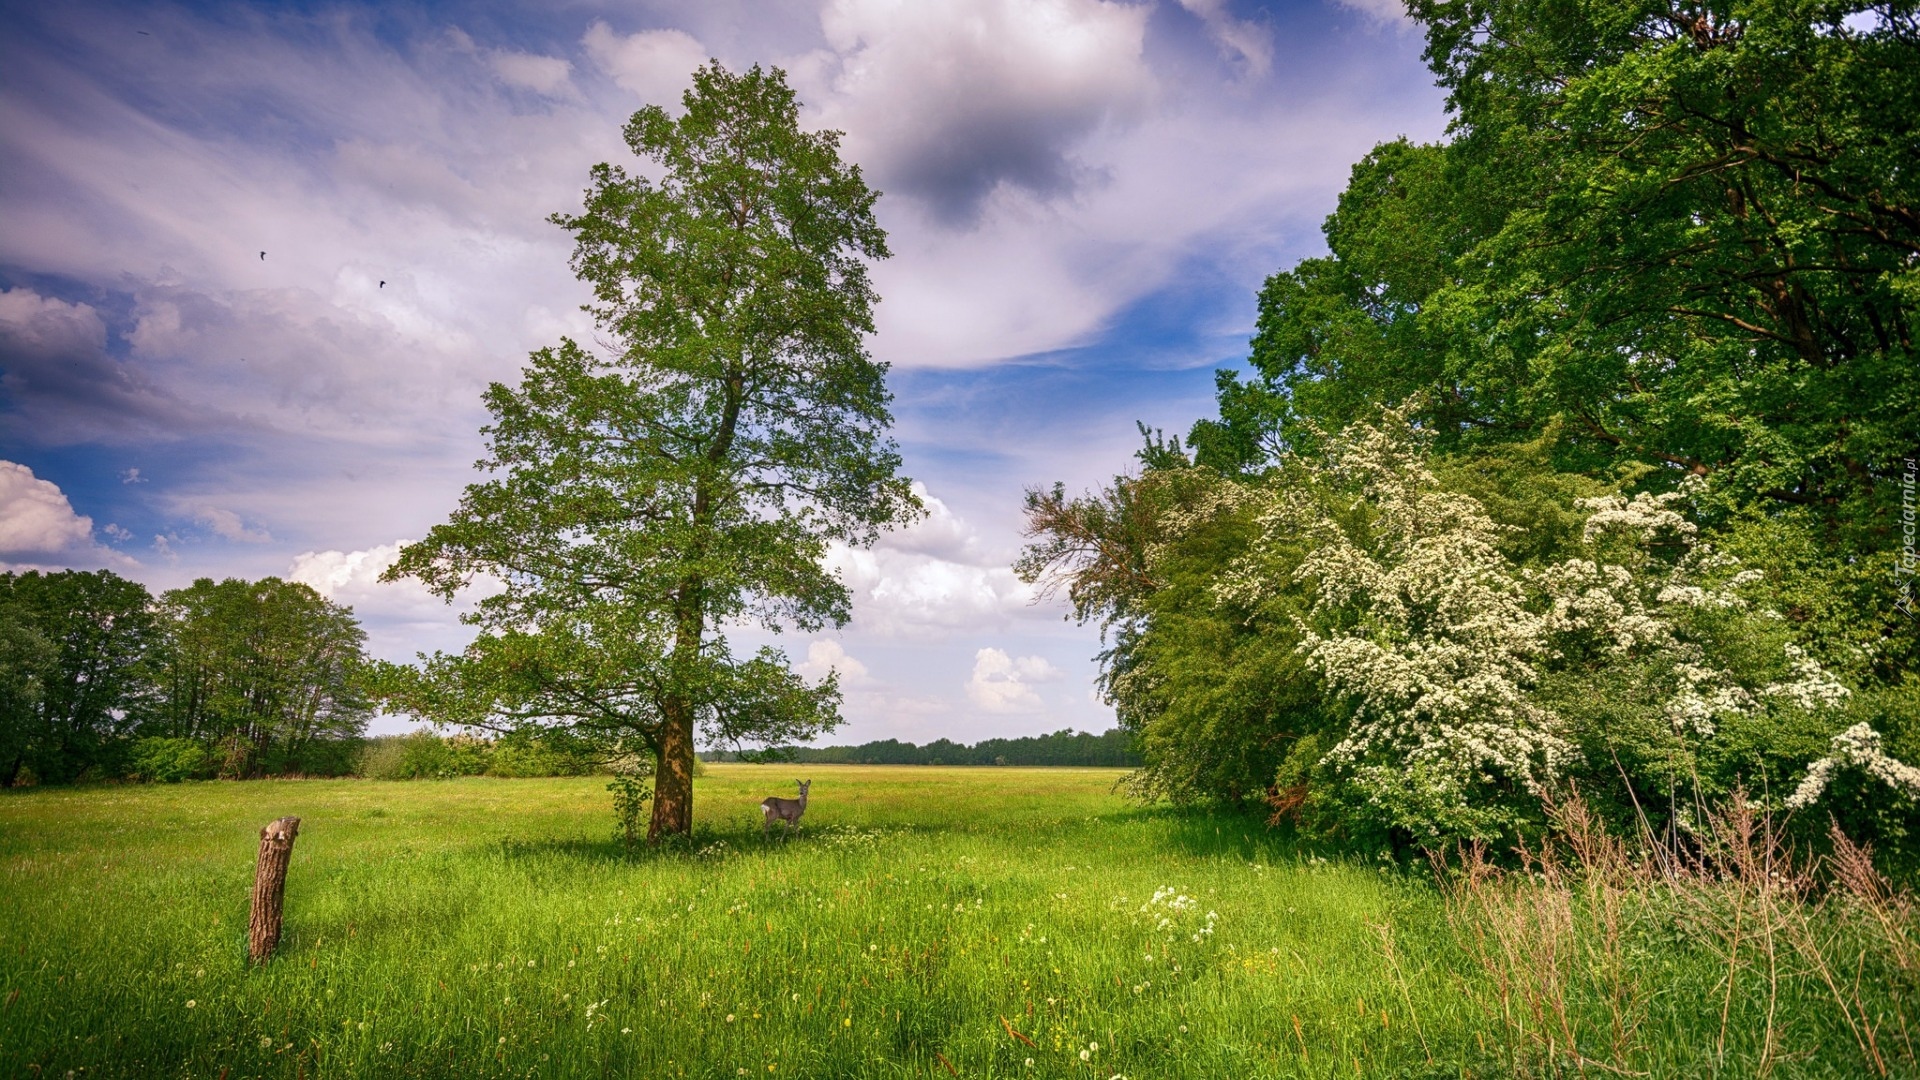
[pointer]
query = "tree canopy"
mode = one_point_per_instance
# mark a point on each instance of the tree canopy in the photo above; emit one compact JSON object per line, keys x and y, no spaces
{"x":1643,"y":328}
{"x":691,"y":476}
{"x":1685,"y":232}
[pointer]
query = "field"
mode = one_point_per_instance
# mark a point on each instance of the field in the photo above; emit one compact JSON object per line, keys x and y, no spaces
{"x":927,"y":922}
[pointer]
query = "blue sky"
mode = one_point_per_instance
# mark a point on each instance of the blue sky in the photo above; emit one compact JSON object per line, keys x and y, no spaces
{"x":1082,"y":198}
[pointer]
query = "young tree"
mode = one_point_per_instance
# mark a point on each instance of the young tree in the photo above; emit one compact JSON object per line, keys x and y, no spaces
{"x":692,"y":477}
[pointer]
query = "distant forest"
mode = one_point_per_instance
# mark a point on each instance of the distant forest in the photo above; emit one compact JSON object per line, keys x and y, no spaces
{"x":1065,"y":747}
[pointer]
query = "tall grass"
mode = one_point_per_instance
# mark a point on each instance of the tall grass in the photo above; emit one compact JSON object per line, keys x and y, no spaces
{"x":926,"y":922}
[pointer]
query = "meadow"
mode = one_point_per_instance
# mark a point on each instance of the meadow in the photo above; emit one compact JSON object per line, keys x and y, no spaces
{"x":975,"y":922}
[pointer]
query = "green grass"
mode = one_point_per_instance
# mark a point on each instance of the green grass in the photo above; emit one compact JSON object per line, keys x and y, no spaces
{"x":488,"y":927}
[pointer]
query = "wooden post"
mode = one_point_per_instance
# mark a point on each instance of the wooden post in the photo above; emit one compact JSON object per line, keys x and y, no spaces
{"x":269,"y":885}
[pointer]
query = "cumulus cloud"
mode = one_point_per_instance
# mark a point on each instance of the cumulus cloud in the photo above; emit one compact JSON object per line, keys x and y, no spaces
{"x":931,"y":580}
{"x":35,"y":516}
{"x":949,"y":100}
{"x":655,"y":65}
{"x":39,"y":527}
{"x":1004,"y":684}
{"x":826,"y":657}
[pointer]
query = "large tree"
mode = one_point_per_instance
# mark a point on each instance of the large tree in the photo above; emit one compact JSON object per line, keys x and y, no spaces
{"x":71,"y":650}
{"x":691,"y":475}
{"x":257,"y":670}
{"x":1685,"y":232}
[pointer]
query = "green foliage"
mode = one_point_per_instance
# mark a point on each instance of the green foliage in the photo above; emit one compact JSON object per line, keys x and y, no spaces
{"x":641,"y":500}
{"x":1666,"y":249}
{"x":72,"y":681}
{"x":630,"y":797}
{"x":1066,"y":747}
{"x":168,"y":761}
{"x":265,"y":671}
{"x":427,"y":755}
{"x":1681,"y":234}
{"x":555,"y":752}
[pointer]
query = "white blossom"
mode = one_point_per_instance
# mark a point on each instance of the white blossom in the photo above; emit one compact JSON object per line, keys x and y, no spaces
{"x":1858,"y":746}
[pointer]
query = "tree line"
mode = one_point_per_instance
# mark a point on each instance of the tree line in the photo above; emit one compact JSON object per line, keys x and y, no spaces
{"x":1109,"y":749}
{"x":233,"y":678}
{"x":1582,"y":465}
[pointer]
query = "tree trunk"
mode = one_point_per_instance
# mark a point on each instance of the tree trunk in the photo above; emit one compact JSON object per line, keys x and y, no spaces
{"x":269,"y":886}
{"x":673,"y":781}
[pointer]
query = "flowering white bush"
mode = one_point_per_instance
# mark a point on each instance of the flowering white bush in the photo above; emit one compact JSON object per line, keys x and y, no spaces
{"x":1440,"y":640}
{"x":1434,"y":639}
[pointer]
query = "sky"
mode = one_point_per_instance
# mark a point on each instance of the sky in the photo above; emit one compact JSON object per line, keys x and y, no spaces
{"x":258,"y":262}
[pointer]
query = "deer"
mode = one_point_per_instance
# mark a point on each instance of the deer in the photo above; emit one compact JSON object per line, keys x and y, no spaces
{"x":786,"y":810}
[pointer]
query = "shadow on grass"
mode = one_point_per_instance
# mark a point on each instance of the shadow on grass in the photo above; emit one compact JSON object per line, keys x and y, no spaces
{"x":1186,"y":832}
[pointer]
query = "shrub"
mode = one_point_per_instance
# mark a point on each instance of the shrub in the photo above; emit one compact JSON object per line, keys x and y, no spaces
{"x":168,"y":761}
{"x":541,"y":753}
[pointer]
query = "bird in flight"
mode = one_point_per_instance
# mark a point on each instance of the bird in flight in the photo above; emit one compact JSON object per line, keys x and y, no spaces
{"x":263,"y":256}
{"x":383,"y":284}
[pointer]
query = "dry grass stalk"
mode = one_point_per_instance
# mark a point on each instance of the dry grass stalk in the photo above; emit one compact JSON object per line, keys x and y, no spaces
{"x":1552,"y":936}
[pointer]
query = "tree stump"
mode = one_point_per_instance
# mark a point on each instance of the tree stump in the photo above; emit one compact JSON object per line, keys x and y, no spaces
{"x":269,"y":885}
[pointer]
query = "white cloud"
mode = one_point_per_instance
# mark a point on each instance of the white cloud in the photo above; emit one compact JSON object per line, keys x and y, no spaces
{"x":1245,"y":40}
{"x":1003,"y":684}
{"x":825,"y":657}
{"x":931,"y":580}
{"x":656,"y":65}
{"x":35,"y":516}
{"x":340,"y":575}
{"x":1390,"y":12}
{"x":548,"y":75}
{"x":49,"y":326}
{"x":951,"y":100}
{"x":228,"y":525}
{"x":39,"y":528}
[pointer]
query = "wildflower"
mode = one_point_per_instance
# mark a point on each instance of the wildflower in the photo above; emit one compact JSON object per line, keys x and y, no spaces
{"x":266,"y":1042}
{"x":1029,"y":1063}
{"x":729,"y":1018}
{"x":529,"y":963}
{"x":191,"y":1003}
{"x":741,"y":1072}
{"x":1086,"y":1055}
{"x":623,"y":1031}
{"x":503,"y":1040}
{"x":1094,"y":1046}
{"x":796,"y":997}
{"x":848,"y":1022}
{"x":1183,"y":1029}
